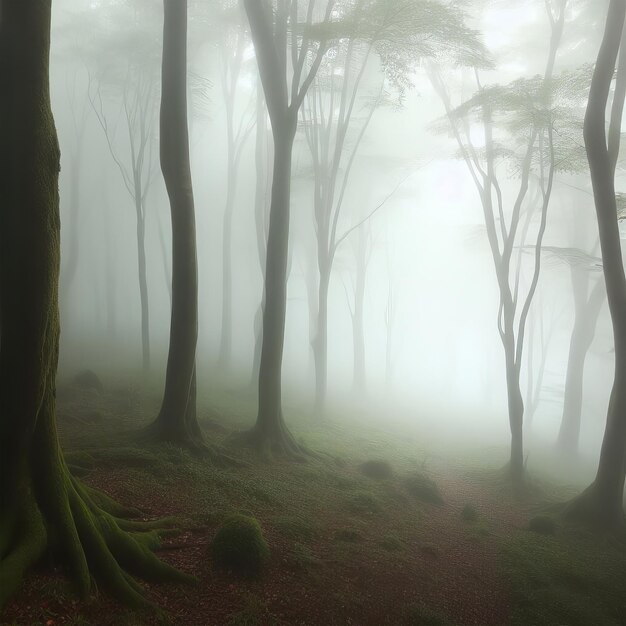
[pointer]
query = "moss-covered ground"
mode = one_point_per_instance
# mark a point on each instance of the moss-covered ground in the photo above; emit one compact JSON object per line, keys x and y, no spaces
{"x":375,"y":529}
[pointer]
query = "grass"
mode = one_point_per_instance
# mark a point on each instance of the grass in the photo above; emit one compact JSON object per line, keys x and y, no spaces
{"x":324,"y":518}
{"x":574,"y":578}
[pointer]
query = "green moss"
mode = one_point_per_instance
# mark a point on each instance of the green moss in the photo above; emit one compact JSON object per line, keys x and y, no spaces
{"x":574,"y":578}
{"x":296,"y":528}
{"x":376,"y":468}
{"x":420,"y":616}
{"x":253,"y":613}
{"x":239,"y":545}
{"x":469,"y":513}
{"x":392,"y":543}
{"x":364,"y":502}
{"x":302,"y":558}
{"x":543,"y":525}
{"x":349,"y":535}
{"x":423,"y":488}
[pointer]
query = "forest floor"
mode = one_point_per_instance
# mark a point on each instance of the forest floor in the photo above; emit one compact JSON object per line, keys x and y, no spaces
{"x":346,"y":548}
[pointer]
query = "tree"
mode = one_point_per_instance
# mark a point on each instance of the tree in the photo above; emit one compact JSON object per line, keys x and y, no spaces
{"x":274,"y":34}
{"x":601,"y":503}
{"x":401,"y":33}
{"x":589,"y":296}
{"x":43,"y":507}
{"x":137,"y":170}
{"x":234,"y":41}
{"x":177,"y":419}
{"x":528,"y":108}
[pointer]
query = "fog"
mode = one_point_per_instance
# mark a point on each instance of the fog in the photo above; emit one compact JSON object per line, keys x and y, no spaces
{"x":399,"y":262}
{"x":428,"y":258}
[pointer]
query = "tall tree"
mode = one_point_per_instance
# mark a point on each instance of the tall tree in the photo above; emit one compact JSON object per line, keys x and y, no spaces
{"x":234,"y":41}
{"x":277,"y":33}
{"x":42,"y":505}
{"x":601,"y":504}
{"x":177,"y":419}
{"x":528,"y":105}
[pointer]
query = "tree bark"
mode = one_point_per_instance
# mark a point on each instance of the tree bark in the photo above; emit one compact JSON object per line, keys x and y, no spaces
{"x":587,"y":311}
{"x":177,"y":419}
{"x":601,"y":503}
{"x":358,"y":333}
{"x":143,"y":285}
{"x":42,"y":507}
{"x":320,"y":345}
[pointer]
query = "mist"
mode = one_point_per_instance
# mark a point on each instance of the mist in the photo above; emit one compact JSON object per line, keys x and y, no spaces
{"x":341,"y":296}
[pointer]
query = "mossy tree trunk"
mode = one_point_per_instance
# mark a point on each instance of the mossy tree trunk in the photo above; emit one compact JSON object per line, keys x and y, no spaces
{"x":43,"y":508}
{"x":177,"y":420}
{"x":601,"y":504}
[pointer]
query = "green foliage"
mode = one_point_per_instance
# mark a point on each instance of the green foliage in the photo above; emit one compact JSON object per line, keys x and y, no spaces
{"x":239,"y":545}
{"x":543,"y":525}
{"x":423,"y":488}
{"x":469,"y":513}
{"x":376,"y":468}
{"x":574,"y":578}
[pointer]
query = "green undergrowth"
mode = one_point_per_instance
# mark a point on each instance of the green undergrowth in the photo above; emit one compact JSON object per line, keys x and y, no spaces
{"x":573,"y":578}
{"x":254,"y":613}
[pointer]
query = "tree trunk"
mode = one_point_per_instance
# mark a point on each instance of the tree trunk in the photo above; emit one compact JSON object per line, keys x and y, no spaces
{"x":586,"y":316}
{"x":320,"y":345}
{"x":358,"y":333}
{"x":177,"y":418}
{"x":225,"y":349}
{"x":143,"y":285}
{"x":601,"y":503}
{"x":71,"y":261}
{"x":42,"y":506}
{"x":270,"y":430}
{"x":515,"y":407}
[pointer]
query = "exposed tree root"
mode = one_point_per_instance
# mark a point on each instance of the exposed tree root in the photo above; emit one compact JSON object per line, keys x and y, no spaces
{"x":275,"y":442}
{"x":91,"y":543}
{"x":589,"y":510}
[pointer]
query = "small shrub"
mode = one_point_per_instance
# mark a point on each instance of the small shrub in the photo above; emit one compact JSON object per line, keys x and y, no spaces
{"x":349,"y":535}
{"x":543,"y":525}
{"x":376,"y":468}
{"x":239,"y":545}
{"x":469,"y":513}
{"x":88,"y":379}
{"x":423,"y":488}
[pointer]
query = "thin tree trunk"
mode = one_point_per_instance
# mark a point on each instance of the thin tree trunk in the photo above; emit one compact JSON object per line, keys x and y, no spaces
{"x":358,"y":333}
{"x":143,"y":284}
{"x":320,"y":346}
{"x":177,"y":418}
{"x":225,"y":349}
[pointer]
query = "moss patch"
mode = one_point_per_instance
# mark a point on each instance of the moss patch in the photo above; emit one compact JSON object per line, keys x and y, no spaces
{"x":239,"y":545}
{"x":423,"y":488}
